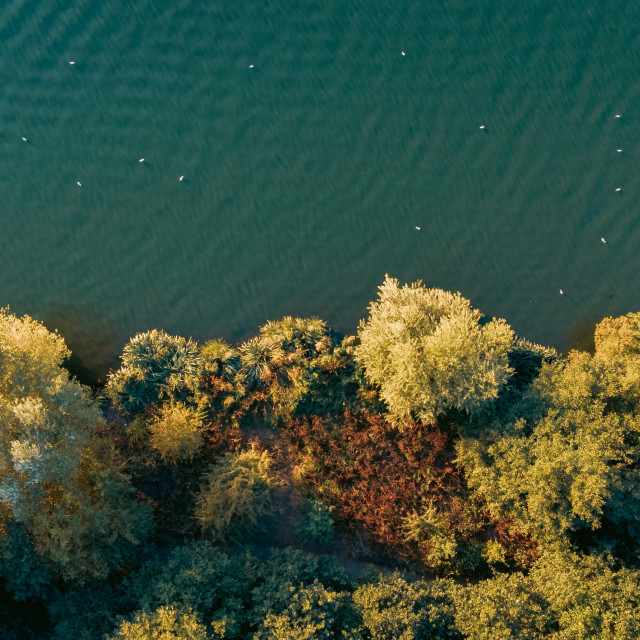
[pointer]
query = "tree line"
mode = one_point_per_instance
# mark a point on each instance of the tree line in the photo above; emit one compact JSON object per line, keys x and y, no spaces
{"x":213,"y":491}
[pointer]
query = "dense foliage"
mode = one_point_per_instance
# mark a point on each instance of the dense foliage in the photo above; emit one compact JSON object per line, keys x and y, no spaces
{"x":68,"y":513}
{"x":428,"y":351}
{"x":493,"y":482}
{"x":155,"y":367}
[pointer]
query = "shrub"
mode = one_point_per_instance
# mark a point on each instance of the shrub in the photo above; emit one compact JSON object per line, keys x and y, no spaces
{"x":220,"y":359}
{"x":236,"y":491}
{"x":327,"y":384}
{"x":376,"y":475}
{"x":155,"y":367}
{"x":138,"y":429}
{"x":432,"y":530}
{"x":299,"y":337}
{"x":261,"y":359}
{"x":176,"y":432}
{"x":316,"y":523}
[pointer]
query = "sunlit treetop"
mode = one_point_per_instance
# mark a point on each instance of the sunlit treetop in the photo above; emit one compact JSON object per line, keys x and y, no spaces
{"x":428,"y":350}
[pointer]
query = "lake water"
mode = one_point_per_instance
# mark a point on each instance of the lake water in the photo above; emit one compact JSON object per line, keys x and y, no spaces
{"x":311,"y":148}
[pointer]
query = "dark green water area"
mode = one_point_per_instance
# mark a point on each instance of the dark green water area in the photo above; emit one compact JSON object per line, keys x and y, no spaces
{"x":311,"y":149}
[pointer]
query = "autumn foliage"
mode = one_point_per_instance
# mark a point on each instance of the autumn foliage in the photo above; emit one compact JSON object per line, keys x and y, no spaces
{"x":378,"y":476}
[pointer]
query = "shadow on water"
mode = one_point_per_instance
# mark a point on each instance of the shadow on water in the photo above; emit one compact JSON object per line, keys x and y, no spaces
{"x":581,"y":334}
{"x":92,"y":343}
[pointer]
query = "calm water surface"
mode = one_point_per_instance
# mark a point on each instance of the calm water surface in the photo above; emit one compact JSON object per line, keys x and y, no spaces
{"x":306,"y":174}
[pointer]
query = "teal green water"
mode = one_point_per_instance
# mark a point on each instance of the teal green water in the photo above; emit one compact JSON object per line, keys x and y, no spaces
{"x":305,"y":176}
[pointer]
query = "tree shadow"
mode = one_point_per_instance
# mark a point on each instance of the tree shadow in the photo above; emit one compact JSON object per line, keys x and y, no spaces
{"x":93,"y":344}
{"x":581,"y":334}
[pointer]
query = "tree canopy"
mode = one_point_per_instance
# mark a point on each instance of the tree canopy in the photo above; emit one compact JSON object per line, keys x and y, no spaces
{"x":64,"y":502}
{"x":428,"y":351}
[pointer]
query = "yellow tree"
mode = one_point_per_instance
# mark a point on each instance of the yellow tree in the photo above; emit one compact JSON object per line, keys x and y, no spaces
{"x":65,"y":505}
{"x":428,"y":351}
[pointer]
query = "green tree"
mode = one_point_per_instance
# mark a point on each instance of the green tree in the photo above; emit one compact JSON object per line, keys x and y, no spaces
{"x":394,"y":609}
{"x":156,"y":367}
{"x":165,"y":623}
{"x":591,"y":597}
{"x":564,"y":597}
{"x":285,"y":573}
{"x":313,"y":613}
{"x":201,"y":578}
{"x":63,"y":499}
{"x":567,"y":461}
{"x":428,"y":351}
{"x":617,"y":342}
{"x":506,"y":607}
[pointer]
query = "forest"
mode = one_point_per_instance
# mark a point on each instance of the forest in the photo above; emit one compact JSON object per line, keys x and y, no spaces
{"x":434,"y":476}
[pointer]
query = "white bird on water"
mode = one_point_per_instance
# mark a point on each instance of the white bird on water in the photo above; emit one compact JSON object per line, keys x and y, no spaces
{"x":24,"y":139}
{"x":72,"y":61}
{"x":561,"y":292}
{"x":78,"y":183}
{"x":481,"y":126}
{"x":418,"y":229}
{"x":603,"y":241}
{"x":403,"y":53}
{"x":619,"y":150}
{"x":618,"y":189}
{"x":181,"y":178}
{"x":141,"y":160}
{"x":617,"y":115}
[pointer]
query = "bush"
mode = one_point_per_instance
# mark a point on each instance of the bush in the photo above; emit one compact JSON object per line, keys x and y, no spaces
{"x":377,"y":476}
{"x":316,"y":523}
{"x":220,"y":359}
{"x":236,"y":491}
{"x":155,"y":367}
{"x":261,"y":359}
{"x":176,"y":432}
